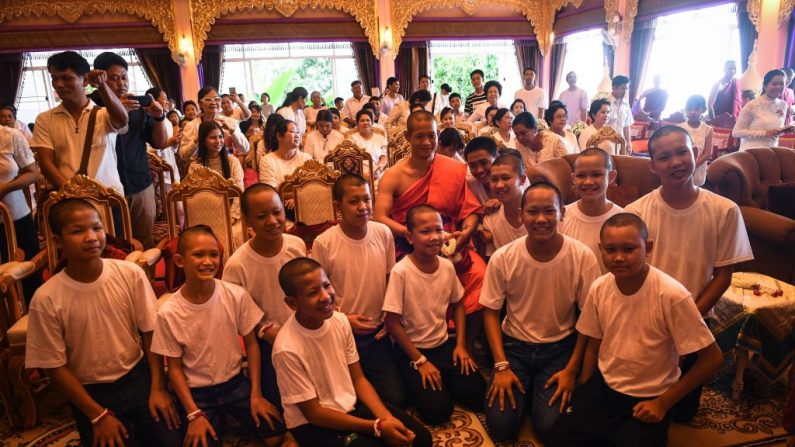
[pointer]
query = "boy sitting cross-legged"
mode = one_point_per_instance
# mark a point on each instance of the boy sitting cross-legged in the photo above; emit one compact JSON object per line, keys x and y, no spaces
{"x":255,"y":267}
{"x":328,"y":402}
{"x":198,"y":332}
{"x":593,"y":173}
{"x":84,"y":329}
{"x":542,"y":279}
{"x":638,"y":321}
{"x":358,"y":255}
{"x":436,"y":369}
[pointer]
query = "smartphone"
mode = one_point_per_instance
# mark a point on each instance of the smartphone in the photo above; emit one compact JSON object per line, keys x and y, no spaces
{"x":144,"y":101}
{"x":232,"y":90}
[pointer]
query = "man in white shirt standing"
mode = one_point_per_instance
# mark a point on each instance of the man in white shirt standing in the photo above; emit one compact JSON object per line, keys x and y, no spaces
{"x":59,"y":133}
{"x":354,"y":103}
{"x":620,"y":117}
{"x":576,"y":100}
{"x":534,"y":97}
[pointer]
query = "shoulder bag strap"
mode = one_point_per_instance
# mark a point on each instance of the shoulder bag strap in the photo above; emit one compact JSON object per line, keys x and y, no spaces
{"x":92,"y":121}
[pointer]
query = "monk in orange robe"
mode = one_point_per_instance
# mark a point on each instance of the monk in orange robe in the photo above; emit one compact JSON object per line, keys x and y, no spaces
{"x":424,"y":178}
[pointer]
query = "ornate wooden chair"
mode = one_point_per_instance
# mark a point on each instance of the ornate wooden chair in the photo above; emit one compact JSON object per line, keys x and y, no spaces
{"x":398,"y":147}
{"x":209,"y":199}
{"x":610,"y":140}
{"x":310,"y":188}
{"x":104,"y":200}
{"x":348,"y":158}
{"x":159,"y":169}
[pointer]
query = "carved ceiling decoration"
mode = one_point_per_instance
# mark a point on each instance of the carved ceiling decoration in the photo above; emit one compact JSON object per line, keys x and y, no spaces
{"x":205,"y":12}
{"x":784,"y":11}
{"x":159,"y":13}
{"x":540,"y":13}
{"x":627,"y":18}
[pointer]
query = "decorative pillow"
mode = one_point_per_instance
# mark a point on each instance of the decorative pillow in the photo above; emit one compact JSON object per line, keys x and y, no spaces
{"x":622,"y":195}
{"x":781,"y":199}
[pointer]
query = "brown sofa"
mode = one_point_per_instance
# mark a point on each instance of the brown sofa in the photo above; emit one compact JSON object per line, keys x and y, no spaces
{"x":746,"y":178}
{"x":634,"y":178}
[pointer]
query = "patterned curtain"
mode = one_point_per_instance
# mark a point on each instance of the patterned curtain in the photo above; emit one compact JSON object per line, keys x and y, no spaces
{"x":11,"y":66}
{"x":639,"y":51}
{"x":609,"y":55}
{"x":557,"y":55}
{"x":366,"y":65}
{"x":748,"y":33}
{"x":162,"y":71}
{"x":210,"y":66}
{"x":529,"y":56}
{"x":411,"y":62}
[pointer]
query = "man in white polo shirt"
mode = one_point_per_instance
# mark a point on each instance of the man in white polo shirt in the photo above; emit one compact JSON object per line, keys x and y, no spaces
{"x":59,"y":133}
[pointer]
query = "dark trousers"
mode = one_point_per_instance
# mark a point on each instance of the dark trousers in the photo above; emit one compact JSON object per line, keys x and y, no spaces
{"x":601,"y":416}
{"x":687,"y":407}
{"x":533,"y":364}
{"x":267,"y":374}
{"x":312,"y":435}
{"x":28,"y":242}
{"x":128,"y":398}
{"x":233,"y":398}
{"x":435,"y":406}
{"x":378,"y":364}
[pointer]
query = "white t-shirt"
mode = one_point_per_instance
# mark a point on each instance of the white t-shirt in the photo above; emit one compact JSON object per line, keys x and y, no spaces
{"x":586,"y":229}
{"x":314,"y":364}
{"x":15,"y":154}
{"x":260,"y":276}
{"x":388,"y":103}
{"x":92,"y":328}
{"x":55,"y":130}
{"x":542,"y":297}
{"x":689,"y":243}
{"x":375,"y":146}
{"x":273,"y":169}
{"x":699,"y":137}
{"x":296,"y":116}
{"x":575,"y":101}
{"x":353,"y":105}
{"x":357,"y":268}
{"x":422,"y":299}
{"x":533,"y":99}
{"x":643,"y":334}
{"x":205,"y":335}
{"x":310,"y":114}
{"x":319,"y":146}
{"x":502,"y":231}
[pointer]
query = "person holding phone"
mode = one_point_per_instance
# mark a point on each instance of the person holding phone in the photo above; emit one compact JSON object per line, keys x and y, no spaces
{"x":228,"y":109}
{"x":761,"y":121}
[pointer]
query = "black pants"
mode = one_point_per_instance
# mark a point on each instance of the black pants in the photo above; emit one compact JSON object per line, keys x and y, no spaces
{"x":232,"y":397}
{"x":601,"y":416}
{"x":687,"y":407}
{"x":314,"y":436}
{"x":267,"y":374}
{"x":128,"y":398}
{"x":378,"y":364}
{"x":28,"y":242}
{"x":436,"y":406}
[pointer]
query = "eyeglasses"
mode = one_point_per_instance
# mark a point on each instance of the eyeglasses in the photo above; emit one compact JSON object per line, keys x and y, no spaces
{"x":211,"y":99}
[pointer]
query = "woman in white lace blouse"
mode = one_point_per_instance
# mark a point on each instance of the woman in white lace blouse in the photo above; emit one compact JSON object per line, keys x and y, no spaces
{"x":761,"y":121}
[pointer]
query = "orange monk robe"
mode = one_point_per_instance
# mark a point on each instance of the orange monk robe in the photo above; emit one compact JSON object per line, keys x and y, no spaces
{"x":445,"y":188}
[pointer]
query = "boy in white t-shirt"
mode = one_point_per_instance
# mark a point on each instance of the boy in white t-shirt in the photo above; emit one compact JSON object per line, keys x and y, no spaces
{"x":638,"y":320}
{"x":358,"y":255}
{"x":542,"y":279}
{"x":593,"y":172}
{"x":479,"y":154}
{"x":422,"y":286}
{"x":506,"y":179}
{"x":255,"y":267}
{"x":699,"y":236}
{"x":328,"y":402}
{"x":198,"y":331}
{"x":84,"y":329}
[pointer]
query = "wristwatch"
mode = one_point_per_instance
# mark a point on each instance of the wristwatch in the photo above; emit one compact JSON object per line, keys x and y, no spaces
{"x":420,"y":361}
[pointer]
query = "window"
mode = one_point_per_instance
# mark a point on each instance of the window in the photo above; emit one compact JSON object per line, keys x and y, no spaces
{"x":37,"y":94}
{"x":585,"y":57}
{"x":700,"y":42}
{"x":452,"y":60}
{"x":277,"y":68}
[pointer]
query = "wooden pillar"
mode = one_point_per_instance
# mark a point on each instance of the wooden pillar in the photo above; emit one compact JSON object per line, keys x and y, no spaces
{"x":187,"y":60}
{"x":386,"y":63}
{"x":772,"y":40}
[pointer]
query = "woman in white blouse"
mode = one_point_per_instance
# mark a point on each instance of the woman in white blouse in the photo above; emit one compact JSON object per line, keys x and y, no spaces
{"x":372,"y":142}
{"x":557,"y":117}
{"x":293,"y":108}
{"x":503,"y":133}
{"x":598,"y":113}
{"x":761,"y":121}
{"x":274,"y":166}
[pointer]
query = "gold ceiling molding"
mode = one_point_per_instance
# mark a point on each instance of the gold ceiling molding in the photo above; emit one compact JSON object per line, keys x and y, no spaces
{"x":785,"y":8}
{"x":626,"y":18}
{"x":540,"y":14}
{"x":205,"y":12}
{"x":158,"y":12}
{"x":784,"y":11}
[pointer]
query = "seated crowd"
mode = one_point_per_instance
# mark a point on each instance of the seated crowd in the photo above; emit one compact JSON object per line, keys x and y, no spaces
{"x":581,"y":312}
